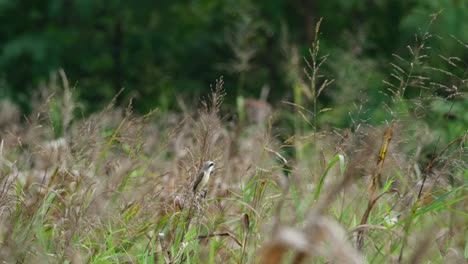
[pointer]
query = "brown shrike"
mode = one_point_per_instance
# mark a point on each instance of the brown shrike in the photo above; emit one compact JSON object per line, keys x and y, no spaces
{"x":203,"y":176}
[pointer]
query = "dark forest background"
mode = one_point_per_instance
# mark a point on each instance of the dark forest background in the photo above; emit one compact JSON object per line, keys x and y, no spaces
{"x":162,"y":50}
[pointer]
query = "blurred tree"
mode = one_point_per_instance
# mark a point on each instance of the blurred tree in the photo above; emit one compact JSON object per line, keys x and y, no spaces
{"x":158,"y":50}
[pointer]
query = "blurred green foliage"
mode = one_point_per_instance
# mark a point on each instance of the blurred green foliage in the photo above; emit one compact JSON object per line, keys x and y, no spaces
{"x":158,"y":50}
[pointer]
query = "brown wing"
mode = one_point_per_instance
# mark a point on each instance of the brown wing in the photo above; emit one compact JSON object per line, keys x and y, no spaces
{"x":197,"y":181}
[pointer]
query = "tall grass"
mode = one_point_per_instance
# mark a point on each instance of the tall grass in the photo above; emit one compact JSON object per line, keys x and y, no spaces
{"x":116,"y":187}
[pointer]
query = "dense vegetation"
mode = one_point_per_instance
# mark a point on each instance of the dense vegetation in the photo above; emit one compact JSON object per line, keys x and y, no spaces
{"x":157,"y":50}
{"x":337,"y":140}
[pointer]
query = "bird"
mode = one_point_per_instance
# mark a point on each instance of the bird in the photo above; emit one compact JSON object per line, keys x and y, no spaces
{"x":203,"y":176}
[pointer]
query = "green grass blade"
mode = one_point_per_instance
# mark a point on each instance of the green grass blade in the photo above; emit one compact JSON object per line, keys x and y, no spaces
{"x":337,"y":157}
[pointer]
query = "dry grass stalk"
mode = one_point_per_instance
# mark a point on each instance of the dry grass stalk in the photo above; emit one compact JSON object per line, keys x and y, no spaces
{"x":374,"y":182}
{"x":246,"y":229}
{"x":427,"y":172}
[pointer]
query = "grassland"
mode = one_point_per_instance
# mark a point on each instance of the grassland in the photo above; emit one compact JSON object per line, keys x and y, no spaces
{"x":288,"y":187}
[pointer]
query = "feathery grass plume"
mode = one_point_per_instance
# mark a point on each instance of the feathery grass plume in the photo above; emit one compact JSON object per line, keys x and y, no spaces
{"x":199,"y":138}
{"x":420,"y":194}
{"x":317,"y":83}
{"x":68,"y":199}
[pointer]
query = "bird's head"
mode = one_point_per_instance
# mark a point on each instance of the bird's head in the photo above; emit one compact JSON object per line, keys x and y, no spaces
{"x":208,"y":166}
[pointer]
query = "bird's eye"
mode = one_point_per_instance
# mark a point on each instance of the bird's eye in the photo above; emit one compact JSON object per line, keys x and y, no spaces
{"x":211,"y":164}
